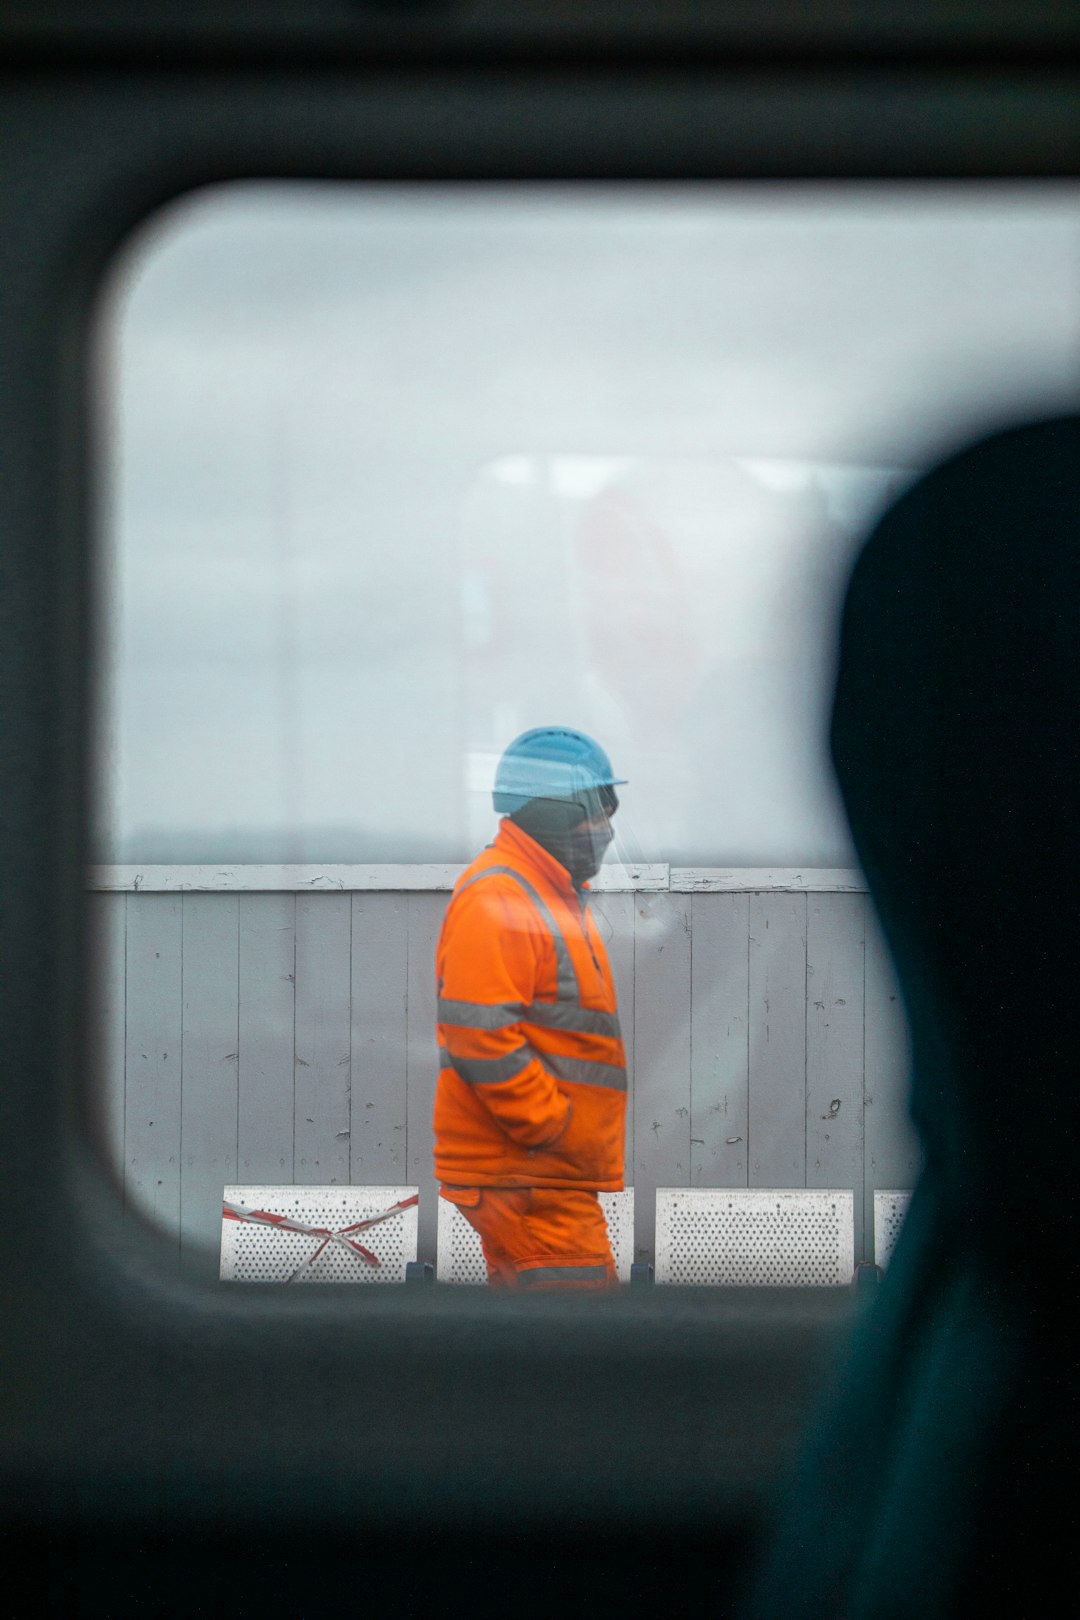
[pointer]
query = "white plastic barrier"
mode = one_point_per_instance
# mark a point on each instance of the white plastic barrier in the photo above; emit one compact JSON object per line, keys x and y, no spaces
{"x":764,"y":1237}
{"x":461,"y":1259}
{"x":318,"y":1234}
{"x":889,"y":1211}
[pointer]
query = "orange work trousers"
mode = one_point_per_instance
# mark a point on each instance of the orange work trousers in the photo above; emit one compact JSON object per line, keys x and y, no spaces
{"x":539,"y":1237}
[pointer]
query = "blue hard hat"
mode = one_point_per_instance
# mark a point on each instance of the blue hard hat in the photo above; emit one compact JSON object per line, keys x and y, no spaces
{"x":550,"y":762}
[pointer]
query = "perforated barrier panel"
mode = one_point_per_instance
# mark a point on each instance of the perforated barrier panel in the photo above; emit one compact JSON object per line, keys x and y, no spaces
{"x":257,"y":1245}
{"x":773,"y":1237}
{"x":618,"y":1210}
{"x":889,"y":1211}
{"x":461,"y":1259}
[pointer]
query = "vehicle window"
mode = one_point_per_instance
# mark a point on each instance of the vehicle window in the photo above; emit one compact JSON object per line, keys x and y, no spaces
{"x":391,"y":475}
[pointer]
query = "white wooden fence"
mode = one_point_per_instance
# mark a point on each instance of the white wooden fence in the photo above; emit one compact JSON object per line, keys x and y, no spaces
{"x":277,"y":1024}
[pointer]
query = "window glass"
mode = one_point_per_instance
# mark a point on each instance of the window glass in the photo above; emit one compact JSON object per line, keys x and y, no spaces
{"x":390,"y":475}
{"x":396,"y":473}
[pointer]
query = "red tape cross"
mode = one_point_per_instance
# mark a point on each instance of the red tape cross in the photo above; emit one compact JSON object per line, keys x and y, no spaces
{"x":267,"y":1217}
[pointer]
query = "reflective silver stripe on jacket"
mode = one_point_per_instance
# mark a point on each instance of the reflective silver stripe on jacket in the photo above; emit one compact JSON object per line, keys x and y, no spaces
{"x":480,"y":1014}
{"x":581,"y":1020}
{"x":491,"y":1071}
{"x":540,"y":1274}
{"x":549,"y":1014}
{"x":584,"y":1072}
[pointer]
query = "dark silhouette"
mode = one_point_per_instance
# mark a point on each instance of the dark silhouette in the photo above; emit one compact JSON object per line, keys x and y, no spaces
{"x":939,"y":1476}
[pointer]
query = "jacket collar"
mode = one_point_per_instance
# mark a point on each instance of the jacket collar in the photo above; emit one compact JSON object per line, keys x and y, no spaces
{"x":511,"y":841}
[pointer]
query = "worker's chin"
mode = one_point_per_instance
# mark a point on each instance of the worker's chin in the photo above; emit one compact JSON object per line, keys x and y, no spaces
{"x":582,"y":874}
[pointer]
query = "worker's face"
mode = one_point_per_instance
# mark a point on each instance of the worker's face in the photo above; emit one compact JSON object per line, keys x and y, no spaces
{"x":576,"y":831}
{"x":596,"y":830}
{"x":593,"y":837}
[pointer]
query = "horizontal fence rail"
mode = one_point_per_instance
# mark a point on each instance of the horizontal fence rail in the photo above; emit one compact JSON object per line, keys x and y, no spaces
{"x":277,"y":1025}
{"x":611,"y":879}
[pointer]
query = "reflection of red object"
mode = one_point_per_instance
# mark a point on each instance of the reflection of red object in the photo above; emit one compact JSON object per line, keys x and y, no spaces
{"x":634,"y":608}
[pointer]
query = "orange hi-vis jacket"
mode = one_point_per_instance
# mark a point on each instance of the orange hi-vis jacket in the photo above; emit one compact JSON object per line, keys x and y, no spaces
{"x":532,"y":1079}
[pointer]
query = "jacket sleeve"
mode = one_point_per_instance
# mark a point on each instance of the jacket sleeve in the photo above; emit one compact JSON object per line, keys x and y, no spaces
{"x":492,"y":946}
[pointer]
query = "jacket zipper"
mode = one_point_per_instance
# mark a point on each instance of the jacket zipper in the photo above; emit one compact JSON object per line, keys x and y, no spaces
{"x":585,"y":930}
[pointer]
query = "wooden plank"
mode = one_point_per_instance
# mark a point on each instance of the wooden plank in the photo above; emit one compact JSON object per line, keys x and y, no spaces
{"x":380,"y":967}
{"x":893,"y":1154}
{"x":614,"y":914}
{"x":755,"y":879}
{"x":323,"y":1032}
{"x":662,"y":1056}
{"x":719,"y":1040}
{"x":620,"y":879}
{"x":266,"y":1079}
{"x":302,"y":879}
{"x":255,"y":878}
{"x":152,"y":1060}
{"x":106,"y":939}
{"x":426,"y":912}
{"x":834,"y":1048}
{"x":210,"y":1057}
{"x":656,"y":877}
{"x":777,"y":1006}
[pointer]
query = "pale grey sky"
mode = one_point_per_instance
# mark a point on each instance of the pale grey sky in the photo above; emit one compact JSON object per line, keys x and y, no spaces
{"x":395,"y":472}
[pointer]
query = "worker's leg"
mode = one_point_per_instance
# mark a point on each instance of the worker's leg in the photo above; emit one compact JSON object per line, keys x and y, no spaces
{"x":537,"y":1238}
{"x":497,"y":1214}
{"x":497,"y":1218}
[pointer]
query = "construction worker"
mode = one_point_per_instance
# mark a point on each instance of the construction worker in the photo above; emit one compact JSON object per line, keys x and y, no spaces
{"x":530,"y":1105}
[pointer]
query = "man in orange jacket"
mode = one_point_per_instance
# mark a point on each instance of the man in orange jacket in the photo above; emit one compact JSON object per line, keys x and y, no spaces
{"x":530,"y":1106}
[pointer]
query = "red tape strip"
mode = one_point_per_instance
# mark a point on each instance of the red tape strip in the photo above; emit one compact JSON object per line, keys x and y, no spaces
{"x":268,"y":1217}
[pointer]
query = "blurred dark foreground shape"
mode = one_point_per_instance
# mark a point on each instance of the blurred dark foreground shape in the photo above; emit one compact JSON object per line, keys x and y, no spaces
{"x":941,"y":1477}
